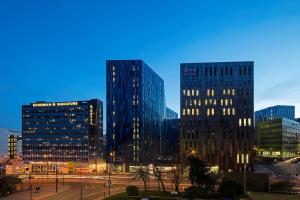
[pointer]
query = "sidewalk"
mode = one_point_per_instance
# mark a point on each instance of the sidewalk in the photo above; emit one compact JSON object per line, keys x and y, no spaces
{"x":46,"y":191}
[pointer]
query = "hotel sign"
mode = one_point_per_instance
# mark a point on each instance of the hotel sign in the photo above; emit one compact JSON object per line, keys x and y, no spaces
{"x":46,"y":104}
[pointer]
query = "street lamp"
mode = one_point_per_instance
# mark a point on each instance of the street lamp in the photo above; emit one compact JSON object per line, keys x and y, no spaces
{"x":56,"y":181}
{"x":245,"y":162}
{"x":109,"y":182}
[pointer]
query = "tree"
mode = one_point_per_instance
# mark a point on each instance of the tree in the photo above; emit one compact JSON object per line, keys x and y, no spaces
{"x":158,"y":174}
{"x":176,"y":175}
{"x":144,"y":175}
{"x":200,"y":173}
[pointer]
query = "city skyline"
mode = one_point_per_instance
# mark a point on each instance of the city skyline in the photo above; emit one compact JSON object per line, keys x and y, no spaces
{"x":48,"y":50}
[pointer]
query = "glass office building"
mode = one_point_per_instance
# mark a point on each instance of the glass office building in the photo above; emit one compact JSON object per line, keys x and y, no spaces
{"x":217,"y":111}
{"x":170,"y":114}
{"x":278,"y":138}
{"x":64,"y":134}
{"x":275,"y":112}
{"x":135,"y":112}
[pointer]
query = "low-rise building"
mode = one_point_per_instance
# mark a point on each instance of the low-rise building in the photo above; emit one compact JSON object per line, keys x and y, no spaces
{"x":278,"y":138}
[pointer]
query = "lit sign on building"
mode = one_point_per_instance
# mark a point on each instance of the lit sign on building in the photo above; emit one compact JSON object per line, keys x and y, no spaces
{"x":190,"y":71}
{"x":55,"y":104}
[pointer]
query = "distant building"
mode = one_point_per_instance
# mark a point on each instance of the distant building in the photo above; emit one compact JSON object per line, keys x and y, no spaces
{"x":217,"y":110}
{"x":4,"y":133}
{"x":275,"y":112}
{"x":170,"y":140}
{"x":170,"y":114}
{"x":278,"y":138}
{"x":14,"y":146}
{"x":135,"y":112}
{"x":64,"y":134}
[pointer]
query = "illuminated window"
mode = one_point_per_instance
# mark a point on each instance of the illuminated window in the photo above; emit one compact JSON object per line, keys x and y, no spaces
{"x":247,"y":158}
{"x":242,"y":155}
{"x":208,"y":112}
{"x":224,"y":111}
{"x":193,"y":111}
{"x":197,"y":111}
{"x":113,"y":113}
{"x":249,"y":121}
{"x":226,"y":102}
{"x":224,"y":92}
{"x":193,"y":92}
{"x":233,"y":111}
{"x":228,"y":91}
{"x":195,"y":102}
{"x":212,"y":111}
{"x":240,"y":122}
{"x":230,"y":101}
{"x":212,"y":92}
{"x":188,"y":93}
{"x":183,"y":111}
{"x":215,"y":102}
{"x":210,"y":102}
{"x":114,"y":125}
{"x":188,"y":111}
{"x":237,"y":158}
{"x":245,"y":122}
{"x":183,"y":91}
{"x":199,"y":102}
{"x":233,"y":92}
{"x":205,"y":102}
{"x":197,"y":92}
{"x":208,"y":92}
{"x":221,"y":102}
{"x":228,"y":111}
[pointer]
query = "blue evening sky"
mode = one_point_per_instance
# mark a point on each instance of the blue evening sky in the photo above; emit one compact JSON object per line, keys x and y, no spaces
{"x":55,"y":50}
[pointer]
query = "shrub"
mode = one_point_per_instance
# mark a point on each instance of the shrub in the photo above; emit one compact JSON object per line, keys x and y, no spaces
{"x":282,"y":186}
{"x":255,"y":182}
{"x":230,"y":189}
{"x":8,"y":184}
{"x":199,"y":192}
{"x":132,"y":191}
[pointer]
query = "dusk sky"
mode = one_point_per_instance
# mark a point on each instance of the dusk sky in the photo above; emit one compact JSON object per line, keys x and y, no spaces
{"x":56,"y":50}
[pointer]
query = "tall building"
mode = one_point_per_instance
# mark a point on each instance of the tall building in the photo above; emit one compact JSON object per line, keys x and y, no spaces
{"x":14,"y":146}
{"x":135,"y":112}
{"x":217,"y":111}
{"x":275,"y":112}
{"x":278,"y":138}
{"x":68,"y":134}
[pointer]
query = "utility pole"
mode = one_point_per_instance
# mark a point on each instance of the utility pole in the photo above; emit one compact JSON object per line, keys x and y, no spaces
{"x":30,"y":185}
{"x":56,"y":181}
{"x":80,"y":193}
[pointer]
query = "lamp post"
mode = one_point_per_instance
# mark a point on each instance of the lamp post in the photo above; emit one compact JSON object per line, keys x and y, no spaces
{"x":245,"y":161}
{"x":56,"y":180}
{"x":109,"y":181}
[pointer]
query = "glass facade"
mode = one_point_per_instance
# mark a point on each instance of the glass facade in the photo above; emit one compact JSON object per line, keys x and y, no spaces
{"x":170,"y":114}
{"x":275,"y":112}
{"x":135,"y":112}
{"x":278,"y":138}
{"x":170,"y":140}
{"x":62,"y":131}
{"x":217,"y":111}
